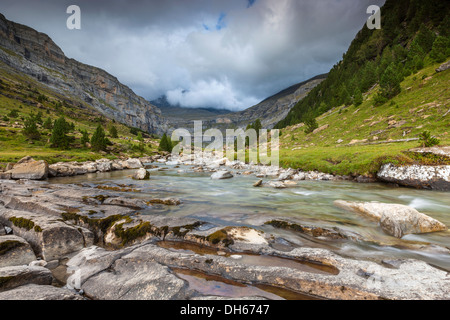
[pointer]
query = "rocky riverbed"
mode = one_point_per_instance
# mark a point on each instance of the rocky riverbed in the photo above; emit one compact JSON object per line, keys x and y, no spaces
{"x":104,"y":241}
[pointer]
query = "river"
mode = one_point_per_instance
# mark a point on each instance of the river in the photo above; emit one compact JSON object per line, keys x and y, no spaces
{"x":235,"y":202}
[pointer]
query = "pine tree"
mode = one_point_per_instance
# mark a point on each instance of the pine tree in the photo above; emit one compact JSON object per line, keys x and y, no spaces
{"x":165,"y":144}
{"x":310,"y":122}
{"x":113,"y":132}
{"x":48,"y":124}
{"x":441,"y":49}
{"x":98,"y":140}
{"x":59,"y":138}
{"x":85,"y":138}
{"x":30,"y":129}
{"x":425,"y":38}
{"x":357,"y":97}
{"x":390,"y":82}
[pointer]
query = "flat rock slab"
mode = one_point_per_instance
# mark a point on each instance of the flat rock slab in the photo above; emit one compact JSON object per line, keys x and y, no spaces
{"x":13,"y":277}
{"x":15,"y":251}
{"x":395,"y":219}
{"x":39,"y":292}
{"x":221,"y":175}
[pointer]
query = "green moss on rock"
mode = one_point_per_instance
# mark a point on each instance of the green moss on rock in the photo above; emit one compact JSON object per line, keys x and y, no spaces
{"x":9,"y":245}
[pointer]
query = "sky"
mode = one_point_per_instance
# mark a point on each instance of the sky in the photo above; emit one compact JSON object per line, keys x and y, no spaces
{"x":225,"y":54}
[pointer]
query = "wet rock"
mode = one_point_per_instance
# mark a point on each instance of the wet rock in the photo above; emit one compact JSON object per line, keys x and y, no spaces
{"x":39,"y":292}
{"x":28,"y":168}
{"x":15,"y":251}
{"x":221,"y":175}
{"x":13,"y":277}
{"x":395,"y":219}
{"x":125,"y":202}
{"x":141,"y":174}
{"x":287,"y":175}
{"x":258,"y":183}
{"x":416,"y":176}
{"x":166,"y":201}
{"x":276,"y":184}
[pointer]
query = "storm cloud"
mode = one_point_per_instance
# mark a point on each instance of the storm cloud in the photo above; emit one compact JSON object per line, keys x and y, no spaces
{"x":202,"y":53}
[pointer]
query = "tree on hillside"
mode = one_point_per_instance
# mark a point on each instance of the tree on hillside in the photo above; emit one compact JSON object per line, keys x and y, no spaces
{"x":30,"y":129}
{"x":310,"y":122}
{"x":425,"y":38}
{"x":48,"y":124}
{"x":98,"y":140}
{"x":441,"y":49}
{"x":357,"y":97}
{"x":85,"y":138}
{"x":165,"y":144}
{"x":113,"y":132}
{"x":59,"y":138}
{"x":390,"y":82}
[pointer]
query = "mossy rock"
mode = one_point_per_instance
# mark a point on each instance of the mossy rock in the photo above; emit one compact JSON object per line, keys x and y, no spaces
{"x":26,"y":224}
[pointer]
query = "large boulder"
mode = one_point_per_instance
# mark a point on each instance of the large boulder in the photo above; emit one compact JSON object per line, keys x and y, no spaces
{"x":395,"y":219}
{"x":28,"y":168}
{"x":15,"y":251}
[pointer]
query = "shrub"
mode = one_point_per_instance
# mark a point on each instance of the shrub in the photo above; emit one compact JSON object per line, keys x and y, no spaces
{"x":427,"y":140}
{"x":113,"y":132}
{"x":165,"y":144}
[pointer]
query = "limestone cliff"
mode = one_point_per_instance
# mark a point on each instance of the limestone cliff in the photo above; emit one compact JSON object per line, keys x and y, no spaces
{"x":27,"y":51}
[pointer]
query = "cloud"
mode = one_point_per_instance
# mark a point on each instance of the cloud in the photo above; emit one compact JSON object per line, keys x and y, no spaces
{"x":202,"y":53}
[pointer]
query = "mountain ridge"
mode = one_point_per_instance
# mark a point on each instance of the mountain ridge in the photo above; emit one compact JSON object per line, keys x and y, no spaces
{"x":28,"y":51}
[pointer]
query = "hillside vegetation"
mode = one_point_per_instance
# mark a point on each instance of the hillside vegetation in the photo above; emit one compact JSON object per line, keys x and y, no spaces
{"x":414,"y":34}
{"x":352,"y":140}
{"x":28,"y":114}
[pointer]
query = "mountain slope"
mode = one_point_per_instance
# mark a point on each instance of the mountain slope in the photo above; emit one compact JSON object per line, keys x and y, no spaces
{"x":25,"y":51}
{"x":399,"y":48}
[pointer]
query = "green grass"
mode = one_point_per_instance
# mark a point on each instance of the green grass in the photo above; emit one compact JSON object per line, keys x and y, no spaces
{"x":419,"y":107}
{"x":19,"y":92}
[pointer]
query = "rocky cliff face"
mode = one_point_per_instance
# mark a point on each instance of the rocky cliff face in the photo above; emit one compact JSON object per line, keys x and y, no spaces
{"x":27,"y":51}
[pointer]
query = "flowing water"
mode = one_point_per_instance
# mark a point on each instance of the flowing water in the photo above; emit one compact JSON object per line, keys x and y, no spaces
{"x":235,"y":202}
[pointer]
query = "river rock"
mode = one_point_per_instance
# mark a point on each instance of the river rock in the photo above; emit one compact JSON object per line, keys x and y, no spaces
{"x":395,"y":219}
{"x":47,"y":235}
{"x":104,"y":165}
{"x":141,"y":174}
{"x":132,"y":164}
{"x":286,"y":175}
{"x":15,"y":251}
{"x":119,"y":276}
{"x":276,"y":184}
{"x":16,"y":276}
{"x":221,"y":175}
{"x":259,"y":183}
{"x":36,"y":292}
{"x":166,"y":201}
{"x":417,"y":176}
{"x":28,"y":168}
